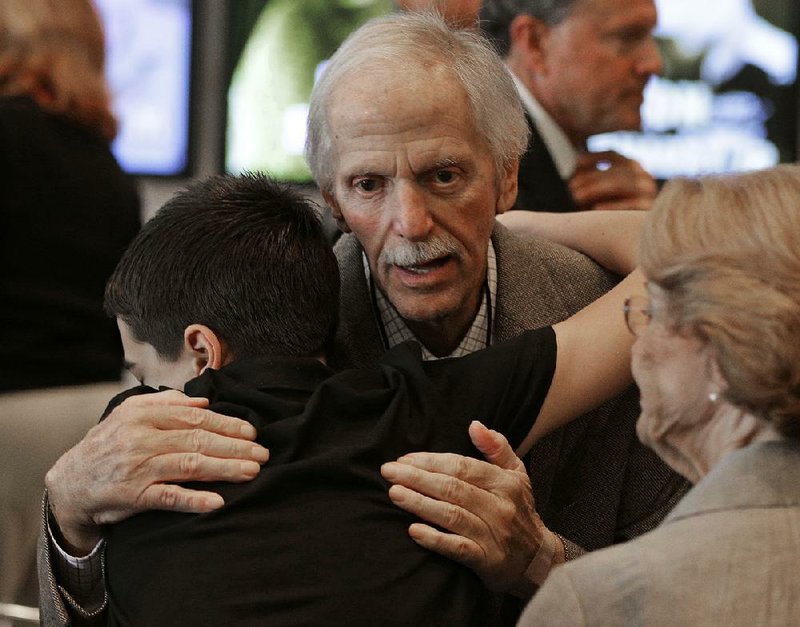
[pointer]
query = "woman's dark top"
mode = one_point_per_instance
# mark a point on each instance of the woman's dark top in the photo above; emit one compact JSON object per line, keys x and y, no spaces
{"x":68,"y":212}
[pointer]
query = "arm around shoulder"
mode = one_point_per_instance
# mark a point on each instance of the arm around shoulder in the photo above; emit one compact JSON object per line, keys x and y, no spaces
{"x":611,"y":238}
{"x":592,"y":362}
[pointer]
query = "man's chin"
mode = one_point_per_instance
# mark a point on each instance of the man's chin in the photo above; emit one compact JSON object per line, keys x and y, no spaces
{"x":425,"y":313}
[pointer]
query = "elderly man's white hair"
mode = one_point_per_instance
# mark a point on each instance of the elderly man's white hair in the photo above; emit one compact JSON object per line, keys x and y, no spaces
{"x":410,"y":42}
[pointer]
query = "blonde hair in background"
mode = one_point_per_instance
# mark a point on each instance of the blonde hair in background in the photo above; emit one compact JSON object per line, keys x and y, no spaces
{"x":726,"y":252}
{"x":53,"y":51}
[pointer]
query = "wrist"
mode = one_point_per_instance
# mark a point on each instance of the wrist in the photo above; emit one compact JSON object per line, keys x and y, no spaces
{"x":549,"y":554}
{"x":75,"y":537}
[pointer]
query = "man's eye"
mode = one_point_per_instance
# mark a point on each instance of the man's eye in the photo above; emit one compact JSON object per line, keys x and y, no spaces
{"x":367,"y":185}
{"x":444,"y":176}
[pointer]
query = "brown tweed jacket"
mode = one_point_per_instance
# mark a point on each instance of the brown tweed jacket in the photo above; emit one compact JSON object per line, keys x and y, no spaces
{"x":594,"y":482}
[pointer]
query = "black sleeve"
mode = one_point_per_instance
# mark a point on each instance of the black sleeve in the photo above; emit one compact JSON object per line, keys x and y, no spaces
{"x":503,"y":386}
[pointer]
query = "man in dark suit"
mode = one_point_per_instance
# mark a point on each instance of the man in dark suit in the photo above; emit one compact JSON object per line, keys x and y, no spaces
{"x":580,"y":67}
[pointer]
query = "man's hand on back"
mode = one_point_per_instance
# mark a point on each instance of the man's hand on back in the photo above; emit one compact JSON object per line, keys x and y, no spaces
{"x":487,"y":507}
{"x":130,"y":463}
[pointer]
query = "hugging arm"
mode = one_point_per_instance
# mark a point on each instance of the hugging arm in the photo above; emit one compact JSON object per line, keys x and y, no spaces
{"x":133,"y":460}
{"x":484,"y":507}
{"x":610,"y":238}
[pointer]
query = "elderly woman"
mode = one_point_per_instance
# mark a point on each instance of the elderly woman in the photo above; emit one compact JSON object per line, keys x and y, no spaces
{"x":717,"y":360}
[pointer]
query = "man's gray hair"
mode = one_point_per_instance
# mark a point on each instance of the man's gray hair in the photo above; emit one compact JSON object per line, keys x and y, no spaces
{"x":411,"y":42}
{"x":496,"y":17}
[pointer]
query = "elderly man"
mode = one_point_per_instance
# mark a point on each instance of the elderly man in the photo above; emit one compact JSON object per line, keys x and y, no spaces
{"x":414,"y":137}
{"x":580,"y":67}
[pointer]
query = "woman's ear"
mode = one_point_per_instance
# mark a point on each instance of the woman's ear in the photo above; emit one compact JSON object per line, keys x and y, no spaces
{"x":207,"y":350}
{"x":718,"y":383}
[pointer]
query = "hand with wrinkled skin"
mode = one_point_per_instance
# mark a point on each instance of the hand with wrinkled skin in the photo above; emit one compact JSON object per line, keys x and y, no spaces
{"x":607,"y":180}
{"x":131,"y":463}
{"x":488,"y":509}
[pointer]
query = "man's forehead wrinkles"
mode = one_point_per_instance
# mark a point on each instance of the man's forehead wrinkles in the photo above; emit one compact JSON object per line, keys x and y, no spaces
{"x":387,"y":163}
{"x":446,"y":150}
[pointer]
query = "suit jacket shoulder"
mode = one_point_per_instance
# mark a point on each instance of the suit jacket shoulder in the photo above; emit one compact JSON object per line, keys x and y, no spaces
{"x":358,"y":339}
{"x":726,"y":556}
{"x":541,"y":283}
{"x":541,"y":187}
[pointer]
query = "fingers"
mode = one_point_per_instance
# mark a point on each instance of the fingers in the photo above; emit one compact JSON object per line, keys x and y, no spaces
{"x":597,"y":160}
{"x":167,"y":397}
{"x":177,"y":499}
{"x":131,"y":460}
{"x":175,"y":410}
{"x":446,"y":515}
{"x":181,"y":467}
{"x":437,"y":472}
{"x":494,"y":447}
{"x":454,"y":547}
{"x":608,"y":180}
{"x":444,"y":488}
{"x":199,"y":441}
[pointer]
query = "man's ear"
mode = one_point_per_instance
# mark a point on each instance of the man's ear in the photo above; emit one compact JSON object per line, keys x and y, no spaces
{"x":507,"y":188}
{"x":336,"y":212}
{"x":528,"y":37}
{"x":205,"y":347}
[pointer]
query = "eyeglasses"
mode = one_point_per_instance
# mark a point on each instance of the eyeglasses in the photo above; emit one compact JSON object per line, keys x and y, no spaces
{"x":637,"y":314}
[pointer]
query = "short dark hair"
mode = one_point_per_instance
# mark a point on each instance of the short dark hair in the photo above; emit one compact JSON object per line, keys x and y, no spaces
{"x":243,"y":255}
{"x":496,"y":17}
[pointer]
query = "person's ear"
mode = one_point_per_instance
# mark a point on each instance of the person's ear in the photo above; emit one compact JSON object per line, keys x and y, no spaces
{"x":336,"y":211}
{"x":718,"y":384}
{"x":529,"y":37}
{"x":507,"y":188}
{"x":205,"y":347}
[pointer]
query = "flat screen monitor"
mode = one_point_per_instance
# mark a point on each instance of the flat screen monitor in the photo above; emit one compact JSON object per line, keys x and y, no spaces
{"x":277,"y":50}
{"x":149,"y":61}
{"x":727,"y":98}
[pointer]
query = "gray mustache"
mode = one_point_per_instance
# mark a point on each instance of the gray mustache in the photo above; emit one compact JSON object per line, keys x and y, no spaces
{"x":418,"y":253}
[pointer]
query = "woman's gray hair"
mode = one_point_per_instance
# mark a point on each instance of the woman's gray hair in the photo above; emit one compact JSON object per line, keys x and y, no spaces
{"x":400,"y":41}
{"x":496,"y":17}
{"x":726,"y":253}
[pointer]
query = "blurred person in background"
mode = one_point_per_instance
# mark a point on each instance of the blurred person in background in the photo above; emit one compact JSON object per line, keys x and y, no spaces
{"x":717,"y":361}
{"x":68,"y":213}
{"x":580,"y":67}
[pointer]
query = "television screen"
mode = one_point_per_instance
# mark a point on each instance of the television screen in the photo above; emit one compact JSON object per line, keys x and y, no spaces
{"x":726,"y":100}
{"x":277,"y":49}
{"x":149,"y":54}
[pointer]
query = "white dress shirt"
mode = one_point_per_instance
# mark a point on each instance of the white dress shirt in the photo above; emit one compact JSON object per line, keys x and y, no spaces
{"x":564,"y":154}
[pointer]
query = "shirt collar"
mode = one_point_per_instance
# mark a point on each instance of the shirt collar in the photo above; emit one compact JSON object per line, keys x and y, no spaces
{"x":396,"y":331}
{"x":564,"y":154}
